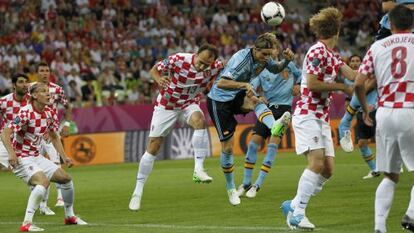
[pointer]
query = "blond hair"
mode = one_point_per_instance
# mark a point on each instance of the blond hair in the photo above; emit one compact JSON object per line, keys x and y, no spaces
{"x":266,"y":41}
{"x":326,"y":23}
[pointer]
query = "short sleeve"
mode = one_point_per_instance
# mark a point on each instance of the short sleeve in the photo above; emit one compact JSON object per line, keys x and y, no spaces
{"x":216,"y":67}
{"x":62,"y":97}
{"x":54,"y":125}
{"x":367,"y":65}
{"x":167,"y":64}
{"x":316,"y":61}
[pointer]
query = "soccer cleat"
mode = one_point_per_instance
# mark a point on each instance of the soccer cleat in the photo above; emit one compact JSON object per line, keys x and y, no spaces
{"x":346,"y":142}
{"x":371,"y":174}
{"x":135,"y":203}
{"x":201,"y":177}
{"x":300,"y":221}
{"x":378,"y":231}
{"x":60,"y":203}
{"x":74,"y":220}
{"x":280,"y":125}
{"x":29,"y":227}
{"x":241,"y":190}
{"x":287,"y":211}
{"x":46,"y":211}
{"x":234,"y":198}
{"x":252,"y":192}
{"x":407,"y":223}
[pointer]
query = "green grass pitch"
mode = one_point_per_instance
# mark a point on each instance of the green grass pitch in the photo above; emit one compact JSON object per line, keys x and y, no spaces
{"x":172,"y":203}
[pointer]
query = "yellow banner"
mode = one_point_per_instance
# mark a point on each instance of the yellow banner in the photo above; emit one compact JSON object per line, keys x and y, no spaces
{"x":102,"y":148}
{"x":243,"y":135}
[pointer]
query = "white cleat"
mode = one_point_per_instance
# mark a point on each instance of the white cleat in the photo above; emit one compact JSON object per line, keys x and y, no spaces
{"x":201,"y":177}
{"x":346,"y":142}
{"x":252,"y":192}
{"x":135,"y":203}
{"x":29,"y":227}
{"x":46,"y":211}
{"x":60,"y":203}
{"x":241,"y":190}
{"x":371,"y":174}
{"x":300,"y":222}
{"x":75,"y":220}
{"x":234,"y":198}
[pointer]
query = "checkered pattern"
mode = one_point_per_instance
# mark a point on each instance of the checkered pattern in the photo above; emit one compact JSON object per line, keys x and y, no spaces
{"x":29,"y":127}
{"x":9,"y":108}
{"x":325,"y":64}
{"x":392,"y":92}
{"x":186,"y":84}
{"x":57,"y":96}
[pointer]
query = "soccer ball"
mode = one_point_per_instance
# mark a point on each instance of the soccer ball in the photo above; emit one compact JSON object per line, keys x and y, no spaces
{"x":273,"y":13}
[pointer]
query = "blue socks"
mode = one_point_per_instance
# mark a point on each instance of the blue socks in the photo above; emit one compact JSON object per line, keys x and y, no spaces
{"x":227,"y":164}
{"x":251,"y":157}
{"x":369,"y":157}
{"x":264,"y":115}
{"x":267,"y":163}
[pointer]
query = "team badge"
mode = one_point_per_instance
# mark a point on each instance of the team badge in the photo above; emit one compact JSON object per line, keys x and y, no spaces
{"x":316,"y":62}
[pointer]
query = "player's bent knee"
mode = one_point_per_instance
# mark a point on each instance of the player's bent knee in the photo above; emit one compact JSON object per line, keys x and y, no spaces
{"x":61,"y":177}
{"x":39,"y":179}
{"x":154,"y":145}
{"x":392,"y":176}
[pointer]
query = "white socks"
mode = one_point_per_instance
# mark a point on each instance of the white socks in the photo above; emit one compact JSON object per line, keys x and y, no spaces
{"x":144,"y":169}
{"x":383,"y":201}
{"x":319,"y":184}
{"x":306,"y":187}
{"x":68,"y":198}
{"x":33,"y":203}
{"x":45,"y":198}
{"x":410,"y":210}
{"x":200,"y":143}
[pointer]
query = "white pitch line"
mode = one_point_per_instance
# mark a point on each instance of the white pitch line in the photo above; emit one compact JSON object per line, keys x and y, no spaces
{"x":170,"y":226}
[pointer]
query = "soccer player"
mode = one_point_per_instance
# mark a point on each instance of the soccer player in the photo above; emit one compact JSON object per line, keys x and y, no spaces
{"x":387,"y":5}
{"x":278,"y":90}
{"x":57,"y":96}
{"x":32,"y":122}
{"x":232,"y":94}
{"x":363,"y":131}
{"x":9,"y":108}
{"x":310,"y":122}
{"x":182,"y":78}
{"x":391,"y":60}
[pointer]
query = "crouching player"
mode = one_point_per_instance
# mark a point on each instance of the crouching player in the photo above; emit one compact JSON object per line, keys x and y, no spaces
{"x":32,"y":122}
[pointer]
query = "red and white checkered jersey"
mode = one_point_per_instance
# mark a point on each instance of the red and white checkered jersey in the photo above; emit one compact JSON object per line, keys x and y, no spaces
{"x":57,"y":96}
{"x":187,"y":83}
{"x":9,"y":108}
{"x":324,"y":63}
{"x":392,"y":61}
{"x":29,"y":126}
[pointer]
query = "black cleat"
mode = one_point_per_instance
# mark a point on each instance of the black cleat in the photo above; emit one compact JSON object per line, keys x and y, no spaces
{"x":407,"y":223}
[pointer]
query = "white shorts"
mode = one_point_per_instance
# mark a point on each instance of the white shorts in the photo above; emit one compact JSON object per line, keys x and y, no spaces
{"x":28,"y":166}
{"x":312,"y":134}
{"x":49,"y":149}
{"x":395,"y":139}
{"x":4,"y":155}
{"x":163,"y":121}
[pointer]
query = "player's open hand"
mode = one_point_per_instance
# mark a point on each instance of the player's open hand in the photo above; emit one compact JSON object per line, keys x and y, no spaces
{"x":288,"y":54}
{"x":249,"y":90}
{"x":296,"y":90}
{"x":367,"y":119}
{"x":163,"y":82}
{"x":13,"y":161}
{"x":68,"y":162}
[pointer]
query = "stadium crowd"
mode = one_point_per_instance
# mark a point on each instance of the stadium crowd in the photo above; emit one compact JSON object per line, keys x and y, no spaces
{"x":101,"y":51}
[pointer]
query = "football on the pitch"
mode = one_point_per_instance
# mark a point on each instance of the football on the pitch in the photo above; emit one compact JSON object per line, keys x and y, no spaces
{"x":273,"y":13}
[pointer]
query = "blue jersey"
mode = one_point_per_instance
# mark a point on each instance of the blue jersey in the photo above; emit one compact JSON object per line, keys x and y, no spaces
{"x":385,"y":22}
{"x":277,"y":88}
{"x":241,"y":68}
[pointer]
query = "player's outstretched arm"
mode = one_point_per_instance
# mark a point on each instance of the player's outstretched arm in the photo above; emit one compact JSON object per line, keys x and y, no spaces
{"x":162,"y":81}
{"x":6,"y":138}
{"x":348,"y":72}
{"x":360,"y":92}
{"x":55,"y":139}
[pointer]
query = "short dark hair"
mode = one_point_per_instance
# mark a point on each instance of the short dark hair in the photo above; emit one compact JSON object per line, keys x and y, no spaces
{"x":212,"y":48}
{"x":401,"y":17}
{"x":42,"y":63}
{"x":16,"y":76}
